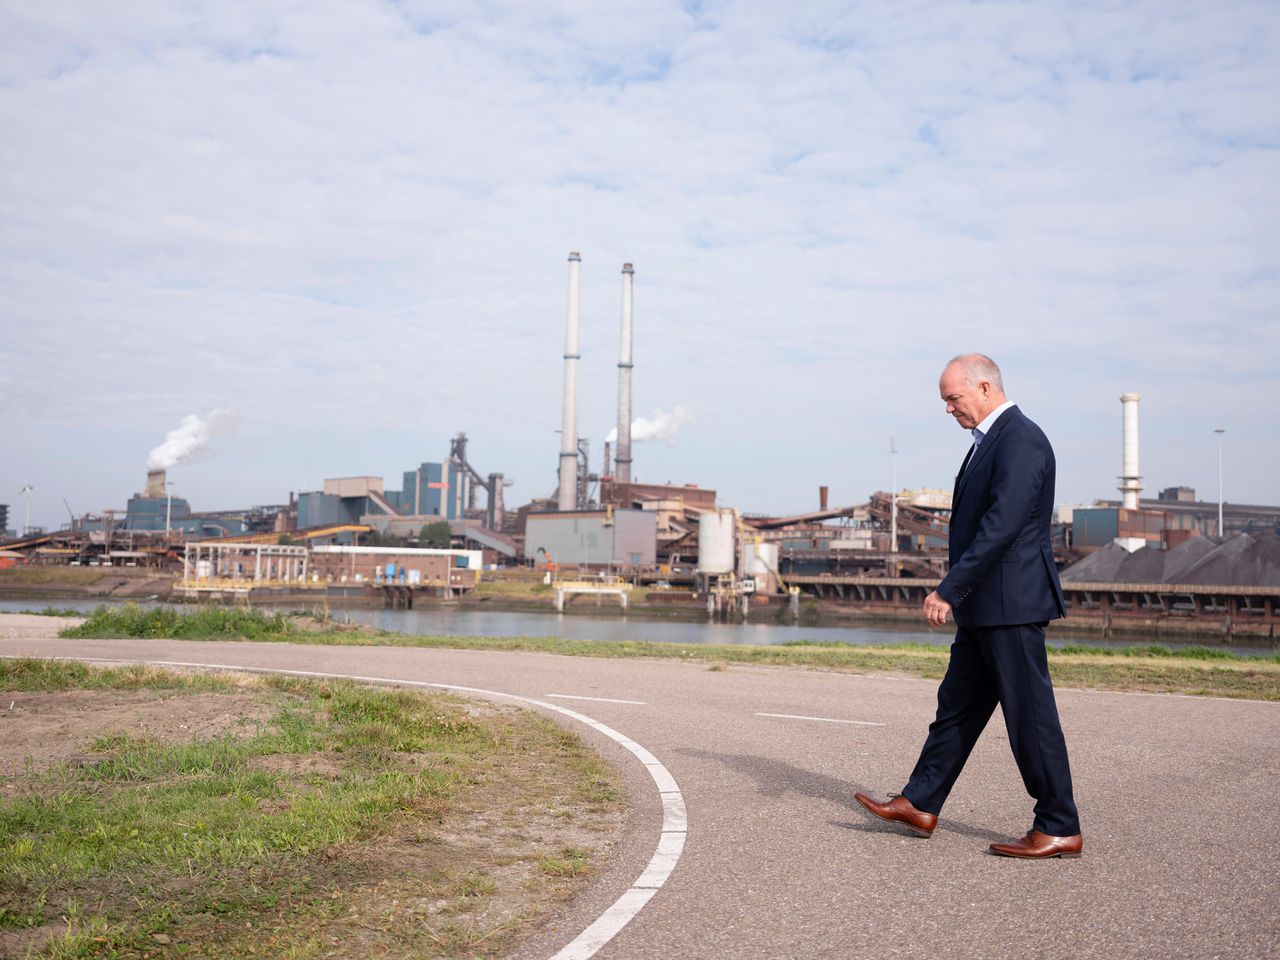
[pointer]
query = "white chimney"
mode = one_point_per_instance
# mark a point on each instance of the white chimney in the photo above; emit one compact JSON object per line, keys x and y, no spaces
{"x":567,"y":498}
{"x":1130,"y":478}
{"x":622,"y":457}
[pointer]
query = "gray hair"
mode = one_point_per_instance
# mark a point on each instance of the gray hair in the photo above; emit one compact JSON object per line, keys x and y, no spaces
{"x":978,"y":367}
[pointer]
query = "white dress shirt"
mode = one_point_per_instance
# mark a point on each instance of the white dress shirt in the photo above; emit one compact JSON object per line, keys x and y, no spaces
{"x":982,"y":429}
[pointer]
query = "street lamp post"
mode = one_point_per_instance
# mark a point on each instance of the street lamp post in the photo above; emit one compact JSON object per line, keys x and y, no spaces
{"x":1220,"y":431}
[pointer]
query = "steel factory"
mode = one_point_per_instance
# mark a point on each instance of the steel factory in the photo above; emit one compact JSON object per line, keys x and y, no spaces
{"x":443,"y":526}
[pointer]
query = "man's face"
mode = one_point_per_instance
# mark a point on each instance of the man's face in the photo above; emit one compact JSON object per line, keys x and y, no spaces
{"x":967,"y":402}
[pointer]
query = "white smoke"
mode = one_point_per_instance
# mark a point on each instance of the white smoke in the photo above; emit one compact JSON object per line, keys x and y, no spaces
{"x":190,"y":438}
{"x":662,"y":426}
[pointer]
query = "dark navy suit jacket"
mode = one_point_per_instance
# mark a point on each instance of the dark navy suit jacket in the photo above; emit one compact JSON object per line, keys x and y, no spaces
{"x":1002,"y":571}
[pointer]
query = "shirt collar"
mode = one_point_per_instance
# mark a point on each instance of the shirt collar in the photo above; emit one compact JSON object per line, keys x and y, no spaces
{"x":982,"y":429}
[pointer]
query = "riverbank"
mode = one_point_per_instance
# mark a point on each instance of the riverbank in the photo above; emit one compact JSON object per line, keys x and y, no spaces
{"x":64,"y":583}
{"x":1194,"y":671}
{"x":48,"y":585}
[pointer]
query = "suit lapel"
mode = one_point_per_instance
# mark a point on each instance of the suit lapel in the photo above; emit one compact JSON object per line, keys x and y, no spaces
{"x":983,"y":451}
{"x":955,"y":490}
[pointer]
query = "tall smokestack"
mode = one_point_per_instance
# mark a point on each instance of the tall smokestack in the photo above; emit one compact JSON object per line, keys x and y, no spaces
{"x":622,"y":458}
{"x":155,"y":484}
{"x":567,"y":498}
{"x":1130,"y":479}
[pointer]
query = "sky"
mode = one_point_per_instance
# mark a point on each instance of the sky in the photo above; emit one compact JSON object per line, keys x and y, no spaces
{"x":337,"y":234}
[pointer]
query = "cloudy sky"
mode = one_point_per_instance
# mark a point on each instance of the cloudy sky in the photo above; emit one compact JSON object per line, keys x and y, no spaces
{"x":345,"y":225}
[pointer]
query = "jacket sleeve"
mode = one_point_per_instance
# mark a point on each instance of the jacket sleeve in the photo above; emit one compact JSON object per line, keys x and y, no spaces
{"x":1017,"y":476}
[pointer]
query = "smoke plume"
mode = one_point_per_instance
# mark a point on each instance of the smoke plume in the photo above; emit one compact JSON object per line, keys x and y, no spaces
{"x":662,"y":426}
{"x":189,"y":438}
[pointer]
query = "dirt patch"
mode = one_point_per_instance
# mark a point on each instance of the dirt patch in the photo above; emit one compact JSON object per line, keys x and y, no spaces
{"x":30,"y":626}
{"x":20,"y":943}
{"x":41,"y":730}
{"x":303,"y":765}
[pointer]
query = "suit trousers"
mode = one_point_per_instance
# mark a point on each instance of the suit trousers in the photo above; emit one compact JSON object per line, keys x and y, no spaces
{"x":1008,"y":666}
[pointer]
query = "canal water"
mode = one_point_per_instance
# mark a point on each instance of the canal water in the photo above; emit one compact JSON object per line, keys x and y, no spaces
{"x":448,"y":620}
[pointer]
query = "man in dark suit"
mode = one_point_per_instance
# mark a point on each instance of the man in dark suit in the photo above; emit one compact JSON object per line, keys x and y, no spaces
{"x":1002,"y":589}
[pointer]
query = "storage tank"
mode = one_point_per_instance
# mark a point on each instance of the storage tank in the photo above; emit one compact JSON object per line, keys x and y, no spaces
{"x":759,"y":558}
{"x":716,"y":538}
{"x":760,"y":561}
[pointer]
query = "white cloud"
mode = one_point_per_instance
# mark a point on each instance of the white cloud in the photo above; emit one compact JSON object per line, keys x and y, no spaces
{"x":351,"y":220}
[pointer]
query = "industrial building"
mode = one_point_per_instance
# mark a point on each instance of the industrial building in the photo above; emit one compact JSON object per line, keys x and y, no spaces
{"x":1184,"y":512}
{"x":1166,"y":522}
{"x":606,"y":538}
{"x":450,"y":570}
{"x":1163,"y":523}
{"x":425,"y":497}
{"x":155,"y":510}
{"x":656,"y":531}
{"x":1097,"y":526}
{"x":430,"y":493}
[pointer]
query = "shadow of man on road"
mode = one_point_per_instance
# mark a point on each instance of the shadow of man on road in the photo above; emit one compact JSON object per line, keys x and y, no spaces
{"x":776,"y":778}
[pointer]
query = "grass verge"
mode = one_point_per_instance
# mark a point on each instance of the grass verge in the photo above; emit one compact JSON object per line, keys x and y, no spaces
{"x":203,"y":623}
{"x":61,"y":576}
{"x":512,"y":589}
{"x":329,"y":820}
{"x":1156,"y":669}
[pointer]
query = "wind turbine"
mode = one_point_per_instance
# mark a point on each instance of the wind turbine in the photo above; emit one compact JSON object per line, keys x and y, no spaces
{"x":26,"y":491}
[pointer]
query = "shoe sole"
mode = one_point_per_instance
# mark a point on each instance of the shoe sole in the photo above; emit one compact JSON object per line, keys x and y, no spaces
{"x":1065,"y":855}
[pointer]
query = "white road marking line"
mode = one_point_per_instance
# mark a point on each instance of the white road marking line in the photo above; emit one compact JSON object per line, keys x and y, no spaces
{"x":663,"y":862}
{"x":569,"y":696}
{"x":607,"y":925}
{"x":792,"y":716}
{"x":674,"y":820}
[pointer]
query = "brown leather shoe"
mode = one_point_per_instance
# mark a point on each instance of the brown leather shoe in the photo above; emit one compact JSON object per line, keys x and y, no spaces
{"x":900,"y":810}
{"x":1037,"y":846}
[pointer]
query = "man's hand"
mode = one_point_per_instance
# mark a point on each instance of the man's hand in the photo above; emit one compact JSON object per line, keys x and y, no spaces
{"x":936,"y":609}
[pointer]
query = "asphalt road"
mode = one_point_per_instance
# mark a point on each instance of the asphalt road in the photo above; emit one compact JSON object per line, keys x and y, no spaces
{"x":1176,"y":796}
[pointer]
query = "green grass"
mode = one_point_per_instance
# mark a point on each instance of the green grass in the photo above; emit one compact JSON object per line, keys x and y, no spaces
{"x":199,"y":839}
{"x":193,"y":804}
{"x":57,"y":576}
{"x":513,"y":589}
{"x":569,"y":863}
{"x":1158,"y":651}
{"x":132,"y":620}
{"x":30,"y":675}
